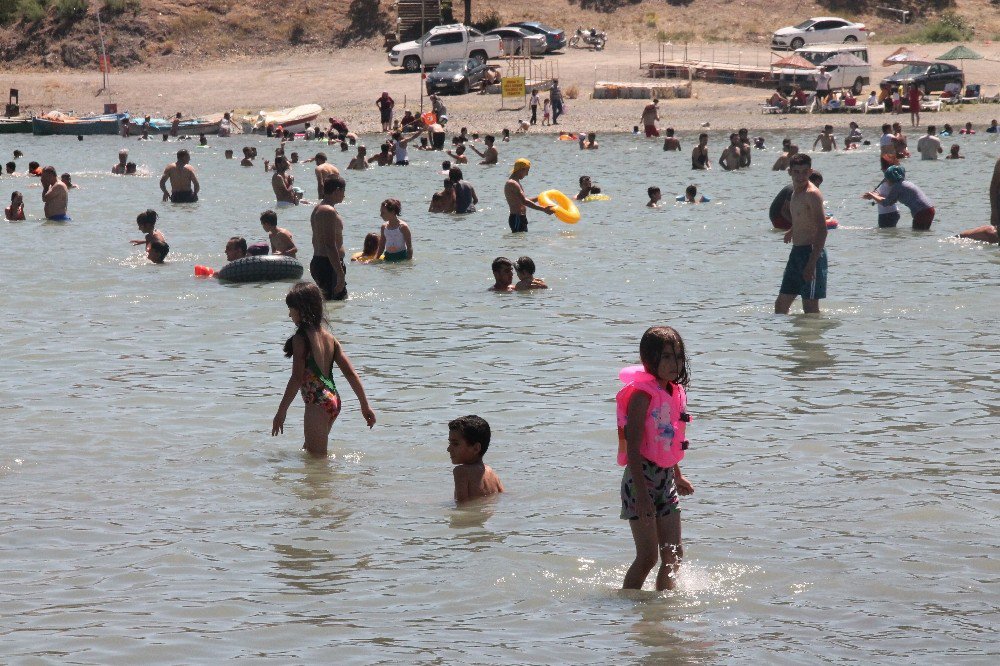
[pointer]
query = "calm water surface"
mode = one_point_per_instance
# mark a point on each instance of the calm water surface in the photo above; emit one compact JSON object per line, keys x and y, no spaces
{"x":846,"y":478}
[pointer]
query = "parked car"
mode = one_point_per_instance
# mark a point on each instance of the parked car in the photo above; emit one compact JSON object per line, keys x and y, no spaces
{"x":459,"y":76}
{"x":445,"y":42}
{"x":854,"y":77}
{"x":819,"y":30}
{"x":514,"y":39}
{"x":931,"y":77}
{"x":554,"y":37}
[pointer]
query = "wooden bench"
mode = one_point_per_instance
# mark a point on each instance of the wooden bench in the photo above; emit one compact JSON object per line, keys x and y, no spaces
{"x":901,"y":15}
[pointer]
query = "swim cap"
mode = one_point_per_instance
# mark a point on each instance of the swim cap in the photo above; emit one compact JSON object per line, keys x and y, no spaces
{"x":895,"y":174}
{"x":521,"y":163}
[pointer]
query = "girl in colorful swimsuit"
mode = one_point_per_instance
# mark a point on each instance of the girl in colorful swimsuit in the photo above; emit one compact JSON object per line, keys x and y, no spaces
{"x":651,"y":413}
{"x":313,"y":351}
{"x":395,"y":242}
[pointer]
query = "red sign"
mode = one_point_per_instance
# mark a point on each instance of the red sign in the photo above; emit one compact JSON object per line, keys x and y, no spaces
{"x":104,"y":63}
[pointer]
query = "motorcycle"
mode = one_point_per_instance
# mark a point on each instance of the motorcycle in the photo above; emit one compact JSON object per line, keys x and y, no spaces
{"x":589,"y":38}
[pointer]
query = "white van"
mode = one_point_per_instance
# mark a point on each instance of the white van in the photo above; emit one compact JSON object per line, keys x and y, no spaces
{"x":855,"y":77}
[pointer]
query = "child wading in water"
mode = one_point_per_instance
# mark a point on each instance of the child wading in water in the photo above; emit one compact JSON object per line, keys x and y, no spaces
{"x":395,"y":242}
{"x":313,"y":351}
{"x":651,"y":411}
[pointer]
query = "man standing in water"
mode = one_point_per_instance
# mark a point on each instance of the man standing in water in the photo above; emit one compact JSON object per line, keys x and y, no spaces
{"x":327,"y":266}
{"x":55,"y":195}
{"x":324,"y":170}
{"x":699,"y":154}
{"x":805,"y":272}
{"x":281,"y":183}
{"x":650,"y":114}
{"x":183,"y":183}
{"x":517,"y":201}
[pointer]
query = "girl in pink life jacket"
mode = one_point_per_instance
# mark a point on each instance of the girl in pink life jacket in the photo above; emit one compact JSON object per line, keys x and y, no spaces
{"x":651,"y":424}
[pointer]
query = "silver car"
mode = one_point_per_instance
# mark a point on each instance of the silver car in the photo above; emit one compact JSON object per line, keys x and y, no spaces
{"x":514,"y":38}
{"x":819,"y":30}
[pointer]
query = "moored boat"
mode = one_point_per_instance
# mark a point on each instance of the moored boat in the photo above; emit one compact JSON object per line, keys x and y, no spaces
{"x":190,"y":126}
{"x":15,"y":125}
{"x":56,"y":122}
{"x":291,"y":119}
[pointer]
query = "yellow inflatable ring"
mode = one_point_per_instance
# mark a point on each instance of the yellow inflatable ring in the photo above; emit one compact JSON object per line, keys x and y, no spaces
{"x":597,"y":197}
{"x":565,"y":209}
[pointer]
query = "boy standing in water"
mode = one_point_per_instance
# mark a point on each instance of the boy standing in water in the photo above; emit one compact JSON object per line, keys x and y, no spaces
{"x":468,"y":440}
{"x":805,"y":272}
{"x":281,"y":239}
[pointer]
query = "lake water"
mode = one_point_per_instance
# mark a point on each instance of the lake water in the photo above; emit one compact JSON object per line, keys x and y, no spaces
{"x":845,"y":474}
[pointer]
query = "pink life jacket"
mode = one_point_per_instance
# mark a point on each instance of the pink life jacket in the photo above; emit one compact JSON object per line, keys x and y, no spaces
{"x":663,"y":442}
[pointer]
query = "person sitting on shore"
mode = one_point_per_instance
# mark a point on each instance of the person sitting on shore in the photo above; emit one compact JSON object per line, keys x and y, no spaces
{"x":654,"y":197}
{"x":778,"y":100}
{"x":872,"y":100}
{"x":359,"y":162}
{"x":281,"y":239}
{"x":799,"y":96}
{"x":369,"y":250}
{"x":119,"y":169}
{"x":15,"y":211}
{"x":443,"y":201}
{"x":953,"y":155}
{"x":671,"y":142}
{"x":409,"y":121}
{"x":526,"y":280}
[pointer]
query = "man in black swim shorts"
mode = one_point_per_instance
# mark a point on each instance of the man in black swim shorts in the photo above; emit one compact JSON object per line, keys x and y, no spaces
{"x":327,"y":266}
{"x":183,"y":181}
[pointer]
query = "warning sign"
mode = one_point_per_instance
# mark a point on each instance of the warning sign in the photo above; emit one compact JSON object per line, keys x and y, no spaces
{"x":512,"y":86}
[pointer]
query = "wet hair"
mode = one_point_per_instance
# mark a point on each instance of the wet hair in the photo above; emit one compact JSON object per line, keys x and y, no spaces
{"x":51,"y":170}
{"x":800,"y":159}
{"x":448,"y":184}
{"x":446,"y":165}
{"x":506,"y":132}
{"x":703,"y":135}
{"x":14,"y":195}
{"x":652,"y":190}
{"x":148,"y":216}
{"x":11,"y":166}
{"x":394,"y":205}
{"x":474,"y":430}
{"x":370,"y":244}
{"x":886,"y":127}
{"x":33,"y":165}
{"x":931,"y":129}
{"x":320,"y":156}
{"x":501,"y":262}
{"x":306,"y":299}
{"x":816,"y":178}
{"x":670,"y":131}
{"x":460,"y":150}
{"x":161,"y":249}
{"x":237,"y":241}
{"x":581,"y":179}
{"x":332,"y":184}
{"x":525,"y":264}
{"x":654,"y":342}
{"x":269,"y":217}
{"x":489,"y":139}
{"x":691,"y":191}
{"x":18,"y":153}
{"x":66,"y":176}
{"x":423,"y":141}
{"x":455,"y":174}
{"x":183,"y":153}
{"x":130,"y":167}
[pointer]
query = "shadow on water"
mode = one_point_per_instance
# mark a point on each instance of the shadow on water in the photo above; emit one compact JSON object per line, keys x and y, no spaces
{"x":470,"y":520}
{"x":805,"y":338}
{"x":654,"y":630}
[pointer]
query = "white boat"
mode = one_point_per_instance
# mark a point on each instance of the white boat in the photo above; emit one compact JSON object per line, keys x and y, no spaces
{"x":292,"y":119}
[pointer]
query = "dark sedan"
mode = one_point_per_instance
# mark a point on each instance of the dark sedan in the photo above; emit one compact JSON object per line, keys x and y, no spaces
{"x":458,"y":76}
{"x":930,"y":77}
{"x":554,"y":38}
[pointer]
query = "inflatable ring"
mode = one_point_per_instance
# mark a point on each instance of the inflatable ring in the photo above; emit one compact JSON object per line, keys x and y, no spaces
{"x":567,"y":137}
{"x":262,"y":268}
{"x":831,"y":223}
{"x":565,"y":209}
{"x":597,"y":197}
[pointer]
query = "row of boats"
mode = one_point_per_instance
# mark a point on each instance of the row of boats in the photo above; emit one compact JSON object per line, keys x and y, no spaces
{"x":56,"y":122}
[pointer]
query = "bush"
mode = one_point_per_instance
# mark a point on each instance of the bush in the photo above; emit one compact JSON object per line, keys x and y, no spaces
{"x":949,"y":28}
{"x":67,"y":10}
{"x":26,"y":10}
{"x":116,"y":7}
{"x":488,"y":22}
{"x":297,"y":34}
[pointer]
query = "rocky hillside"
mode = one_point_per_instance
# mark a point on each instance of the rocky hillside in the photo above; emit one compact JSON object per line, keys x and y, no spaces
{"x":57,"y":34}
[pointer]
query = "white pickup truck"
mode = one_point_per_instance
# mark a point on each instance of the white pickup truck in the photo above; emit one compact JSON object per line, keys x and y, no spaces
{"x":445,"y":42}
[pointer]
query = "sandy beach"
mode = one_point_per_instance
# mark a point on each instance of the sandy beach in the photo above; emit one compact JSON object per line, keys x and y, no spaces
{"x":347,"y":81}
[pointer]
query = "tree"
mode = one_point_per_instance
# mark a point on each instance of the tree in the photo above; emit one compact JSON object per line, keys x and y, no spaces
{"x":468,"y":12}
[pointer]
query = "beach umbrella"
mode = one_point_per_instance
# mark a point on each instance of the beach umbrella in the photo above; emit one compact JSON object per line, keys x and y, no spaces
{"x":904,"y":56}
{"x":794,"y":61}
{"x":961,"y":53}
{"x":844,"y":59}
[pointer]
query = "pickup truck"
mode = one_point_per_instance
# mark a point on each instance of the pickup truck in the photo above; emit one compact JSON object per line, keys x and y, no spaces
{"x":445,"y":42}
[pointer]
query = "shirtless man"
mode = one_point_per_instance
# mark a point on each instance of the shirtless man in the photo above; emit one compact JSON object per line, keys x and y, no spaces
{"x":327,"y":266}
{"x":325,"y":170}
{"x":55,"y":195}
{"x":247,"y":160}
{"x":517,"y":201}
{"x":827,"y":139}
{"x":670,"y":142}
{"x":281,"y":239}
{"x":443,"y":201}
{"x":805,"y":272}
{"x":281,"y":183}
{"x":730,"y":157}
{"x":490,"y":155}
{"x":359,"y":162}
{"x":183,"y":182}
{"x":699,"y":154}
{"x":119,"y":169}
{"x":650,"y":114}
{"x":591,"y":143}
{"x":586,"y":185}
{"x":745,"y":151}
{"x":174,"y":125}
{"x":781,"y":164}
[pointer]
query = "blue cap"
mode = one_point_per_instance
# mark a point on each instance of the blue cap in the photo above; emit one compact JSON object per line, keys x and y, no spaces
{"x":895,"y":174}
